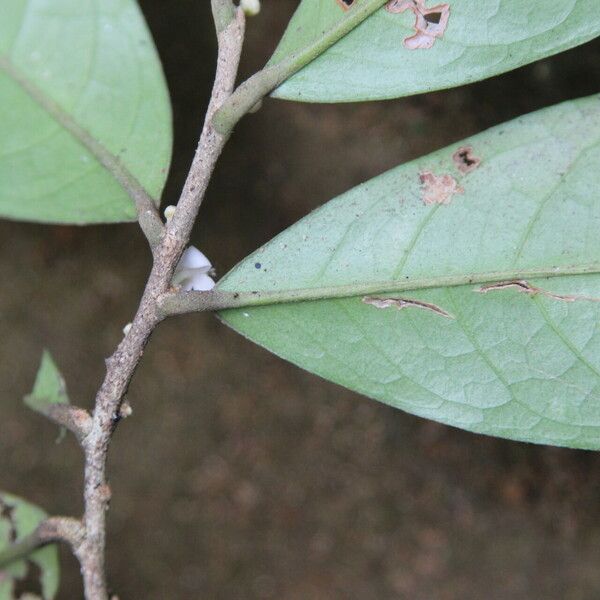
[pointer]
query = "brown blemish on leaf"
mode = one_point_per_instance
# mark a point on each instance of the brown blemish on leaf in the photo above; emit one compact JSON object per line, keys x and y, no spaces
{"x":438,"y":189}
{"x":526,"y":288}
{"x":464,"y":159}
{"x":400,"y":303}
{"x":345,"y":4}
{"x":430,"y":23}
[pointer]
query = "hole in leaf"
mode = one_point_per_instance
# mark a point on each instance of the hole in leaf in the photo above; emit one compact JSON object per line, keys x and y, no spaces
{"x":434,"y":17}
{"x":464,"y":159}
{"x":430,"y":23}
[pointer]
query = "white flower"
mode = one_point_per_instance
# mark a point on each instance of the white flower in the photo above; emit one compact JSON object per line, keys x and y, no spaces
{"x":250,"y":7}
{"x":192,"y":272}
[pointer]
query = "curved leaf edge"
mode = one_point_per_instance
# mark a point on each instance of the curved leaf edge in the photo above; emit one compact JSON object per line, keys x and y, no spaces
{"x":297,"y":95}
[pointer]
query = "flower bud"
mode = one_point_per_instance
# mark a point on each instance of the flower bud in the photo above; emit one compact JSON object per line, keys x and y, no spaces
{"x":169,"y":212}
{"x":250,"y":7}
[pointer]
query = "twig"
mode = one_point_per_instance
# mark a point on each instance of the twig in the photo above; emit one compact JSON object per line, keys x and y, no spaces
{"x":53,"y":529}
{"x":122,"y":364}
{"x":223,"y":14}
{"x":211,"y":141}
{"x":265,"y":81}
{"x":150,"y":222}
{"x":225,"y":108}
{"x":77,"y":420}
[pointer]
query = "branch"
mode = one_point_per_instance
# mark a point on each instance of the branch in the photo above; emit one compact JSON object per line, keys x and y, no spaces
{"x":223,"y":14}
{"x":77,"y":420}
{"x":121,"y":366}
{"x":211,"y":141}
{"x":150,"y":222}
{"x":53,"y":529}
{"x":225,"y":108}
{"x":265,"y":81}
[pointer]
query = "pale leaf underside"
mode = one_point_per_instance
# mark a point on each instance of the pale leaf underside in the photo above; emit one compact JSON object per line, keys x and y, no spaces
{"x":85,"y":116}
{"x":388,"y":57}
{"x":521,"y":360}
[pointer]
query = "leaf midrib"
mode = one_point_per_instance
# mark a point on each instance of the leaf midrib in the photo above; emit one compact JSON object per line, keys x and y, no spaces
{"x":230,"y":298}
{"x":105,"y":157}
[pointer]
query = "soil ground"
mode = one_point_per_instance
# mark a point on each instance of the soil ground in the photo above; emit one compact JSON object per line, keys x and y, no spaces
{"x":240,"y":476}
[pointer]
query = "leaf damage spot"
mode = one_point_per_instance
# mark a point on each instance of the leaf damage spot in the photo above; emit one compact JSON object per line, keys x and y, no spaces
{"x":526,"y":288}
{"x":464,"y":160}
{"x":430,"y":23}
{"x":438,"y":189}
{"x":401,"y":303}
{"x":345,"y":4}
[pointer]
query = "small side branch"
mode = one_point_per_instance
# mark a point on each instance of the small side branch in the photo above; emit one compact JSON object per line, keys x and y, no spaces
{"x":53,"y":529}
{"x":77,"y":420}
{"x":62,"y":529}
{"x":150,"y":222}
{"x":265,"y":81}
{"x":180,"y":303}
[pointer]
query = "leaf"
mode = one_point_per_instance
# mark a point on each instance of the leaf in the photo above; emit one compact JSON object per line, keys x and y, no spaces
{"x":481,"y":39}
{"x":18,"y":519}
{"x":49,"y":394}
{"x":49,"y":388}
{"x":85,"y":116}
{"x":521,"y":360}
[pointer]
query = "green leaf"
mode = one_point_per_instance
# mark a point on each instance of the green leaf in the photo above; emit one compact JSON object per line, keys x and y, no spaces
{"x":521,"y":361}
{"x":18,"y":519}
{"x":85,"y":116}
{"x":49,"y":388}
{"x":481,"y":39}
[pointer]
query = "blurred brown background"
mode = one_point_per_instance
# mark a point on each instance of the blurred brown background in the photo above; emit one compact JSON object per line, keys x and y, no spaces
{"x":240,"y":476}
